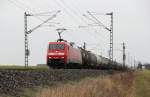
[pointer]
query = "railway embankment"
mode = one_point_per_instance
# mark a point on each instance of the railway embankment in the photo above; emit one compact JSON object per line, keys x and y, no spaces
{"x":13,"y":82}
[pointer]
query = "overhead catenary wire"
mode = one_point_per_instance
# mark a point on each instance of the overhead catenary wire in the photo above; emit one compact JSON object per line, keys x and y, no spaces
{"x":99,"y":22}
{"x":93,"y":35}
{"x":67,"y":12}
{"x":43,"y":22}
{"x":56,"y":1}
{"x":76,"y":13}
{"x":36,"y":14}
{"x":18,"y":6}
{"x":95,"y":13}
{"x":26,"y":8}
{"x":89,"y":18}
{"x":43,"y":13}
{"x":109,"y":29}
{"x":50,"y":4}
{"x":91,"y":25}
{"x":95,"y":21}
{"x":33,"y":10}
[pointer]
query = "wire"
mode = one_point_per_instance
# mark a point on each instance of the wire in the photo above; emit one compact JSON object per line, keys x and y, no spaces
{"x":64,"y":3}
{"x":97,"y":36}
{"x":95,"y":13}
{"x":64,"y":8}
{"x":95,"y":20}
{"x":49,"y":5}
{"x":67,"y":12}
{"x":43,"y":13}
{"x":11,"y":1}
{"x":32,"y":10}
{"x":25,"y":6}
{"x":101,"y":24}
{"x":20,"y":7}
{"x":29,"y":9}
{"x":89,"y":18}
{"x":101,"y":37}
{"x":76,"y":13}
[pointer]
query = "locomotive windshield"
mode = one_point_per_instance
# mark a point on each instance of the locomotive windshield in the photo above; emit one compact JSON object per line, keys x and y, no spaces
{"x":56,"y":46}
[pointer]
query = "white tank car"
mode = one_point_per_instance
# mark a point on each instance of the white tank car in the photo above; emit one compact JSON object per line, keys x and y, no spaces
{"x":104,"y":60}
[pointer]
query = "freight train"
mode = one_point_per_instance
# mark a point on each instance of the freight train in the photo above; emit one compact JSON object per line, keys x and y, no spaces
{"x":65,"y":55}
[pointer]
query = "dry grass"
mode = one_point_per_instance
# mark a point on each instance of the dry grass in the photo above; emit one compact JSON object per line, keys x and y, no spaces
{"x":118,"y":85}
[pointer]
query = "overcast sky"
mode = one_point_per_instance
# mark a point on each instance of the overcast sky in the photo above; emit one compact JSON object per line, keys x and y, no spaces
{"x":131,"y":25}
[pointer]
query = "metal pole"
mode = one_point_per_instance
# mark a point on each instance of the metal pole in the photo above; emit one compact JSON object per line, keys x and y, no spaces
{"x":111,"y":38}
{"x":134,"y":63}
{"x":124,"y":56}
{"x":84,"y":46}
{"x":26,"y":39}
{"x":131,"y":62}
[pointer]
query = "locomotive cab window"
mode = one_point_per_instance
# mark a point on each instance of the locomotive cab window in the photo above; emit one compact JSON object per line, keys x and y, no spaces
{"x":56,"y":46}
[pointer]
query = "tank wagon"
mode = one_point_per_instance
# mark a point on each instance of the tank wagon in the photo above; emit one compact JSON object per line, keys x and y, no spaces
{"x":65,"y":55}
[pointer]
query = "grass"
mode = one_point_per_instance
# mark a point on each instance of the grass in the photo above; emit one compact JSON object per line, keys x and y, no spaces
{"x":142,"y":84}
{"x":118,"y":85}
{"x":30,"y":92}
{"x":129,"y":84}
{"x":22,"y":67}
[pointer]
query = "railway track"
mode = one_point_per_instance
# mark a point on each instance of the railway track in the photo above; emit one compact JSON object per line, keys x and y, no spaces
{"x":13,"y":80}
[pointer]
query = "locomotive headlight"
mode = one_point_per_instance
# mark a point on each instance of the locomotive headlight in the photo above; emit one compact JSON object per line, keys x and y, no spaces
{"x":51,"y":54}
{"x":55,"y":53}
{"x":60,"y":53}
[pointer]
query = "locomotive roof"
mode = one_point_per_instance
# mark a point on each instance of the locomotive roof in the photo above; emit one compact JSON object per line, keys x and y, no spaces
{"x":60,"y":43}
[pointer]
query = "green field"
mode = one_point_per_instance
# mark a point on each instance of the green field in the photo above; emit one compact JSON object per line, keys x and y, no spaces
{"x":23,"y":67}
{"x":142,"y":83}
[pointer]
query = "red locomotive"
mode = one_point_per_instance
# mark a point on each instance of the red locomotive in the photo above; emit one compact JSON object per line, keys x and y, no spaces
{"x":65,"y":55}
{"x":60,"y":54}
